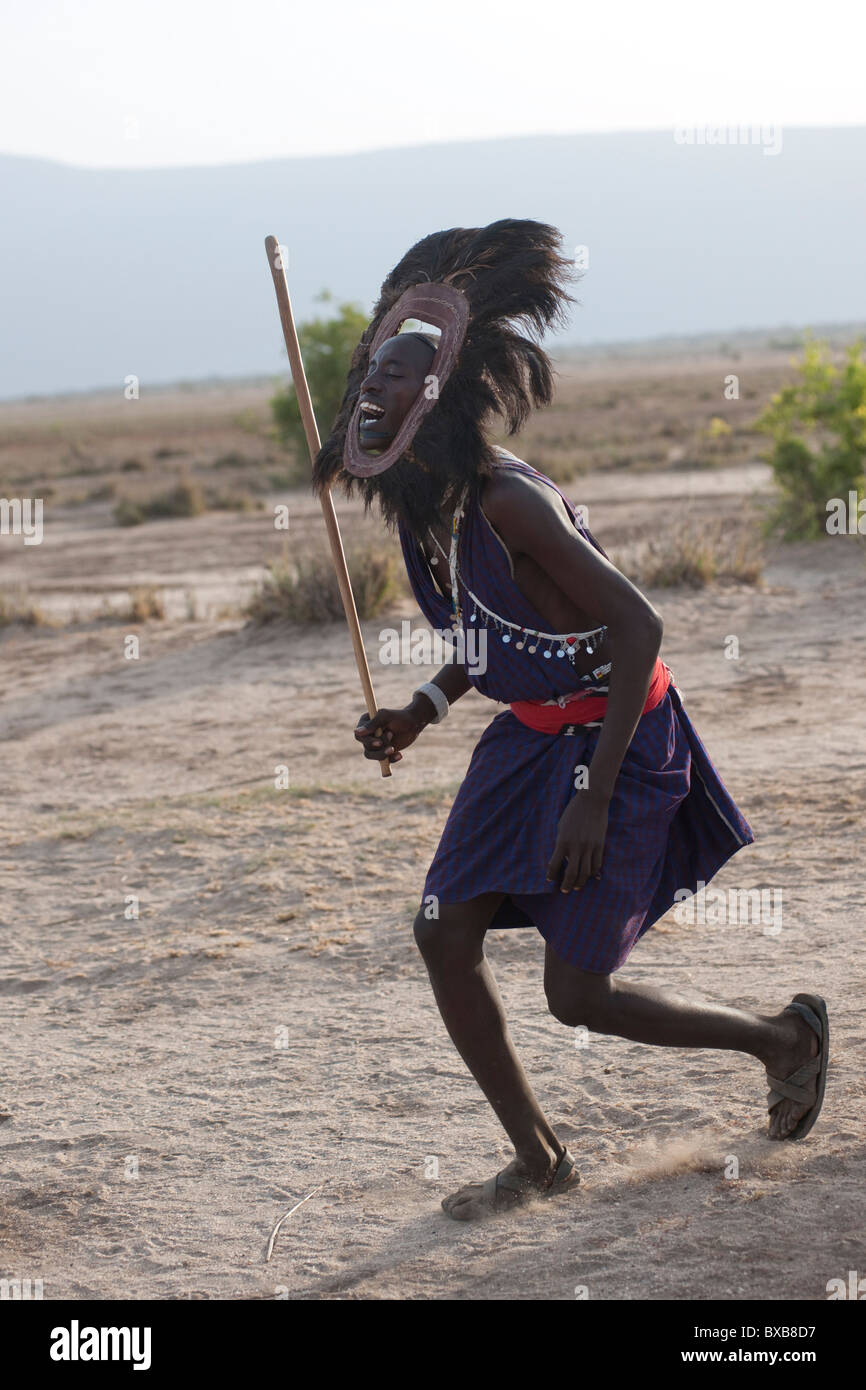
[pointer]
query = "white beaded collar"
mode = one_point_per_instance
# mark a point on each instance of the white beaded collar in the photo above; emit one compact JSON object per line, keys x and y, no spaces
{"x":567,"y":643}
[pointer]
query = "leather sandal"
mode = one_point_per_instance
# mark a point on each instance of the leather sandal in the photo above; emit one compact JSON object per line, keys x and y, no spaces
{"x":813,"y":1009}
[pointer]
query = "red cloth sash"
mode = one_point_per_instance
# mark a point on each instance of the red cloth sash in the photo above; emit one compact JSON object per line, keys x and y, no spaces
{"x":582,"y":708}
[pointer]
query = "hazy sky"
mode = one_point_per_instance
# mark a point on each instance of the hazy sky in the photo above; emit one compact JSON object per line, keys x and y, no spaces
{"x":167,"y":82}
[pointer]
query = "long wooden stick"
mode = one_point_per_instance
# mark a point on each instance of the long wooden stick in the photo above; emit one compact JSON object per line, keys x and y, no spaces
{"x":299,"y":378}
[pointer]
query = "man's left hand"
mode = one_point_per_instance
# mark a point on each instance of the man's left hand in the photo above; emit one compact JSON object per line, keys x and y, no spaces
{"x":580,"y":840}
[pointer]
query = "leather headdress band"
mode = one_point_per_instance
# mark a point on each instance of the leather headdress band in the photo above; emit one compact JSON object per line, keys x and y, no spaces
{"x":448,"y":310}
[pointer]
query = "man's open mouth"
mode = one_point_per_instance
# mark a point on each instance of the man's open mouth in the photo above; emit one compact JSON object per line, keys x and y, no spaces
{"x":370,"y":412}
{"x":370,"y":431}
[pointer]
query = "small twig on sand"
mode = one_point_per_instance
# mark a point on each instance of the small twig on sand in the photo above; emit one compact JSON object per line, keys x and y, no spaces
{"x":287,"y":1214}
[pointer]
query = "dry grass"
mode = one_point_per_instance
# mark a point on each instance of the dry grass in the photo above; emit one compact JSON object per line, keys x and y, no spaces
{"x":694,"y":556}
{"x":306,"y":591}
{"x":641,"y":416}
{"x":186,"y":498}
{"x":617,"y":415}
{"x":16,"y":607}
{"x":145,"y":603}
{"x":229,"y":501}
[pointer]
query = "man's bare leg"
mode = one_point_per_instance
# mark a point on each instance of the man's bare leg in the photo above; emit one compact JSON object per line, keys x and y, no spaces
{"x":471,"y":1008}
{"x":645,"y":1014}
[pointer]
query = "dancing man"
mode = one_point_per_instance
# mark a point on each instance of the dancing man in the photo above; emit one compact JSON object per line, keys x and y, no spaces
{"x":590,"y":804}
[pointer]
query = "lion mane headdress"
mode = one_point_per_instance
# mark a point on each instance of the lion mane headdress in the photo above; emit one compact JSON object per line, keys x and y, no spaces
{"x":492,"y":291}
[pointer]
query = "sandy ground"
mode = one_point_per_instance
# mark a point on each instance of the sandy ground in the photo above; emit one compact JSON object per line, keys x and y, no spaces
{"x":263,"y":1029}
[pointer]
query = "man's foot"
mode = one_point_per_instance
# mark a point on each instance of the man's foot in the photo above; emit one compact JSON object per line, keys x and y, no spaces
{"x":516,"y":1184}
{"x":789,"y":1061}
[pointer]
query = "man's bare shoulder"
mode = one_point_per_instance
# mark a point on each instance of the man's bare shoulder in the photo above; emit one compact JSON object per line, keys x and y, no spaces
{"x":511,"y":499}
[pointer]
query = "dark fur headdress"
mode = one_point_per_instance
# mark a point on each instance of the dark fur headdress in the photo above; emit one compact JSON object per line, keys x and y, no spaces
{"x":513,"y":276}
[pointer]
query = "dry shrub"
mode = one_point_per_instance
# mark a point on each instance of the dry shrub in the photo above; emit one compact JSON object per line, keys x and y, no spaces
{"x":234,"y":459}
{"x":144,"y":603}
{"x":18,"y":608}
{"x":184,"y":499}
{"x":128,"y":513}
{"x":239,"y":501}
{"x":559,"y":467}
{"x":103,"y":493}
{"x":306,"y":591}
{"x":697,"y":555}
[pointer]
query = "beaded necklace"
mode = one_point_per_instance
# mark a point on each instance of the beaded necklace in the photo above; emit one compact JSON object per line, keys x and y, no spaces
{"x":567,"y":643}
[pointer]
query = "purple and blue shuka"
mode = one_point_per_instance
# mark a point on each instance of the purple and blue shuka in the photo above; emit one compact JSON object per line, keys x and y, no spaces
{"x":672,"y":823}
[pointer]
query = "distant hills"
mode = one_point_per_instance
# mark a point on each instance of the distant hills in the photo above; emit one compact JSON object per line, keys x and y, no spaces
{"x":162,"y":273}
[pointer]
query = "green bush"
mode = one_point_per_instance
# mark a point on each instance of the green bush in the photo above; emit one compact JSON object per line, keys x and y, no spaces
{"x":326,"y":347}
{"x":818,"y":429}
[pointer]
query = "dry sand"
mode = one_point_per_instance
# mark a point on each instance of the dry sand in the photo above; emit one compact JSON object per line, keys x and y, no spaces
{"x":173,"y":1083}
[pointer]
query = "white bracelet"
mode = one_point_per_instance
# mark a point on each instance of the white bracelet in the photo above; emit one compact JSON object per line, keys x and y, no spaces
{"x":437,"y":698}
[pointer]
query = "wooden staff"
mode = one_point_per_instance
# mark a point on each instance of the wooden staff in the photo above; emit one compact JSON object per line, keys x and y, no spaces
{"x":281,"y":285}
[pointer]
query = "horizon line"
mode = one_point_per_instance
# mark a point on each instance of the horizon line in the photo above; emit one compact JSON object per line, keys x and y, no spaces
{"x":421,"y":145}
{"x":603,"y":347}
